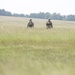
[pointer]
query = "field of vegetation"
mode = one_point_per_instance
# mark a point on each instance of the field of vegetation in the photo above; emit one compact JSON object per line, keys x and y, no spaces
{"x":36,"y":51}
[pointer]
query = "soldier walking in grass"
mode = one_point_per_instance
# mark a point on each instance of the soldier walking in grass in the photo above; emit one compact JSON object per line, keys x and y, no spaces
{"x":49,"y":24}
{"x":30,"y":24}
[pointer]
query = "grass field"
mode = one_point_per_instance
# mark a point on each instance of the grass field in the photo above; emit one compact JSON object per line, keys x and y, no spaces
{"x":36,"y":51}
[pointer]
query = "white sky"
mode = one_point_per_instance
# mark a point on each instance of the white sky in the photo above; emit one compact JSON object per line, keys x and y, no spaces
{"x":64,"y":7}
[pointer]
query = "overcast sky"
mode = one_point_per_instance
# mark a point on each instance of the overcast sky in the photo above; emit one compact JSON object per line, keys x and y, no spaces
{"x":64,"y":7}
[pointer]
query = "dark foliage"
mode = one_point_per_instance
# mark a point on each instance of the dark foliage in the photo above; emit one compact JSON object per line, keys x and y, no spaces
{"x":41,"y":15}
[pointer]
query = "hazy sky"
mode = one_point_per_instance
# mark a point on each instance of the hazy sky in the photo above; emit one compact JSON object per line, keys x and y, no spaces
{"x":64,"y":7}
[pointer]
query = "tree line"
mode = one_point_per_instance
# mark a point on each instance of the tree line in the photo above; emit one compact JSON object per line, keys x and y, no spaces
{"x":40,"y":15}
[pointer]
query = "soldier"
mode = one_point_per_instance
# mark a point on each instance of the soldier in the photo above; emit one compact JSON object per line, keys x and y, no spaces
{"x":30,"y":24}
{"x":49,"y":24}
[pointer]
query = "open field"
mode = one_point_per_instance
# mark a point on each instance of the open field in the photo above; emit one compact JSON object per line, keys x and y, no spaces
{"x":36,"y":51}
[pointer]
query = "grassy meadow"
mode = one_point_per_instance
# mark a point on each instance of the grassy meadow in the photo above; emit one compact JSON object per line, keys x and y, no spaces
{"x":36,"y":51}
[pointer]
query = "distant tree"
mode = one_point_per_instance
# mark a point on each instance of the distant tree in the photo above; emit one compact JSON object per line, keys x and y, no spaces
{"x":71,"y":17}
{"x":41,"y":15}
{"x":56,"y":16}
{"x":5,"y":13}
{"x":16,"y":15}
{"x":27,"y":15}
{"x":64,"y":18}
{"x":48,"y":15}
{"x":21,"y":15}
{"x":2,"y":12}
{"x":37,"y":15}
{"x":8,"y":13}
{"x":33,"y":15}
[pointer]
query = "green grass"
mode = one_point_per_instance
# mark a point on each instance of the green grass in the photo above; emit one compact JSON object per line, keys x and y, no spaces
{"x":36,"y":51}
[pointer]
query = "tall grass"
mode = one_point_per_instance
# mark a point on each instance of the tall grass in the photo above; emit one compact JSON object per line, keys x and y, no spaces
{"x":36,"y":51}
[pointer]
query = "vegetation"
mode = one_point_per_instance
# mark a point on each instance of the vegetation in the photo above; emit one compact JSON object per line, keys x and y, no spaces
{"x":41,"y":15}
{"x":36,"y":51}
